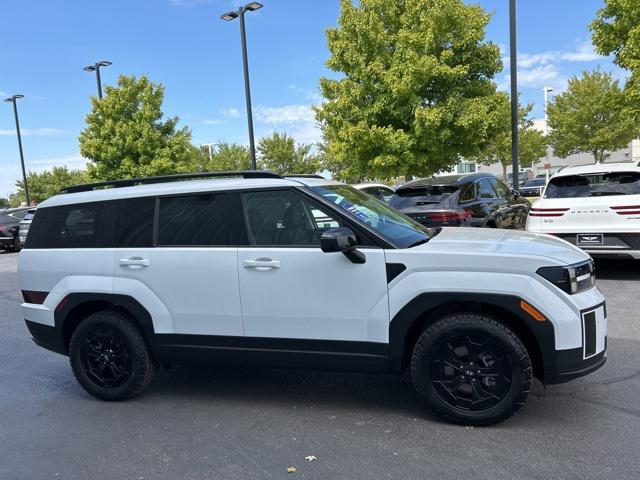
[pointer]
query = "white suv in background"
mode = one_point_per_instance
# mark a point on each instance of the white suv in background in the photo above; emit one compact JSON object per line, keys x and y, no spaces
{"x":249,"y":268}
{"x":596,"y":207}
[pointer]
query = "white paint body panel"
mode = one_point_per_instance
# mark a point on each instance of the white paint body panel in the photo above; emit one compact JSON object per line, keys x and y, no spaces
{"x":314,"y":295}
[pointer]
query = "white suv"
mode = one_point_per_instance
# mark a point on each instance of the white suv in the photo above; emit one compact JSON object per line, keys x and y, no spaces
{"x":255,"y":269}
{"x":596,"y":207}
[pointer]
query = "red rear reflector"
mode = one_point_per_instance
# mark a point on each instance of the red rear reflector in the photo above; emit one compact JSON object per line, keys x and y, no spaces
{"x":547,"y":212}
{"x":62,"y":303}
{"x":31,"y":296}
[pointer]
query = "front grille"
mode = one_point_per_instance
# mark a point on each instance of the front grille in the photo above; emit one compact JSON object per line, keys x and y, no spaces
{"x":589,"y":333}
{"x":613,"y":240}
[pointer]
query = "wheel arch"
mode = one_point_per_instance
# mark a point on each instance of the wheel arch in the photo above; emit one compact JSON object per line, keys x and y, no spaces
{"x":73,"y":308}
{"x":410,"y":321}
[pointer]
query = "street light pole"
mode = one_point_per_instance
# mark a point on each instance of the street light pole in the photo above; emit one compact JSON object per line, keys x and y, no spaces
{"x":546,"y":127}
{"x":13,"y":99}
{"x":250,"y":7}
{"x":96,"y":68}
{"x":514,"y":92}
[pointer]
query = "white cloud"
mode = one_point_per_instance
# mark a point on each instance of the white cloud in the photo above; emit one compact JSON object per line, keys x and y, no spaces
{"x":287,"y":114}
{"x":230,"y":112}
{"x":187,"y":3}
{"x":215,"y":121}
{"x":33,"y":132}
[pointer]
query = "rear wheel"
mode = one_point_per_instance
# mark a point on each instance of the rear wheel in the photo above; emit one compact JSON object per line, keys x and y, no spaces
{"x":16,"y":244}
{"x":109,"y":356}
{"x":471,"y":369}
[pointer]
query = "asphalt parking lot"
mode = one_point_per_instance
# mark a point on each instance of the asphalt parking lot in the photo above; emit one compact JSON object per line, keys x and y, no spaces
{"x":211,"y":424}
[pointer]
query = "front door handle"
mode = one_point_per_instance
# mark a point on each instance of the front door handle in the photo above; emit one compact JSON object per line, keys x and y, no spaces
{"x":262,"y":264}
{"x":134,"y":262}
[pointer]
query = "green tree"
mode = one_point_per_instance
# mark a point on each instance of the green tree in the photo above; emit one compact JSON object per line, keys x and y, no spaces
{"x":226,"y":156}
{"x":616,"y":31}
{"x":280,"y":153}
{"x":127,"y":137}
{"x":4,"y":202}
{"x":590,"y":117}
{"x":416,"y":92}
{"x":532,"y":143}
{"x":47,"y":184}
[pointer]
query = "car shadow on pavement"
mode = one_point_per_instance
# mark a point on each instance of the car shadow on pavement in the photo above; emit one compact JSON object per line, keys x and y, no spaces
{"x":618,"y":269}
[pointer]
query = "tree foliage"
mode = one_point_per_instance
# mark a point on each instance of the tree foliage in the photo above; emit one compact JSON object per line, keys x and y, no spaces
{"x":226,"y":156}
{"x":46,"y":184}
{"x":616,"y":31}
{"x":416,"y":92}
{"x":590,"y":117}
{"x":532,"y":143}
{"x":280,"y":153}
{"x":4,"y":202}
{"x":127,"y":137}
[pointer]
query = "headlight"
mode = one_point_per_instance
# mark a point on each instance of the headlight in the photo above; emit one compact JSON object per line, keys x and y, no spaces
{"x":572,"y":278}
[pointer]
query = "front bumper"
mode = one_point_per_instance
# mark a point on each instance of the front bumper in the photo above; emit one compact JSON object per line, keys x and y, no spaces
{"x":570,"y":365}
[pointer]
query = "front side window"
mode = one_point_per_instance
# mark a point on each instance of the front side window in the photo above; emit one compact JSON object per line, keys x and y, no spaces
{"x":485,"y":190}
{"x":285,"y":218}
{"x":206,"y":220}
{"x":387,"y":222}
{"x":594,"y":185}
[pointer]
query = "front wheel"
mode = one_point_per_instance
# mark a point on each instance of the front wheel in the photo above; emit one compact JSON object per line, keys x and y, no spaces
{"x":109,"y":356}
{"x":471,"y":369}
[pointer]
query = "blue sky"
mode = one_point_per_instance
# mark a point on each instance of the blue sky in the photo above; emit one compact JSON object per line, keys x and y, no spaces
{"x":184,"y":45}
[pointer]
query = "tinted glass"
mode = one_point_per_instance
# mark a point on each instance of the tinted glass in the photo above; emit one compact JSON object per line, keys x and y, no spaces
{"x":208,"y":219}
{"x":421,"y":195}
{"x":535,"y":182}
{"x":501,"y":188}
{"x":83,"y":225}
{"x":385,"y":194}
{"x":135,"y":227}
{"x":386,"y":221}
{"x":468,"y":192}
{"x":485,"y":190}
{"x":595,"y":185}
{"x":285,"y":218}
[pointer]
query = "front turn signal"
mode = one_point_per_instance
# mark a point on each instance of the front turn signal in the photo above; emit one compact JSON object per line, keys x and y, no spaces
{"x":532,"y":311}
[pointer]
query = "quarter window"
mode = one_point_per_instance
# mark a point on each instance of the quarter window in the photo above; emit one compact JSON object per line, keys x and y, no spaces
{"x":83,"y":225}
{"x":501,"y":188}
{"x":284,"y":218}
{"x":207,"y":219}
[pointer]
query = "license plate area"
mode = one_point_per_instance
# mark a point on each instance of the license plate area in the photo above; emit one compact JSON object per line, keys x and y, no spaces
{"x":589,"y":239}
{"x":594,"y":331}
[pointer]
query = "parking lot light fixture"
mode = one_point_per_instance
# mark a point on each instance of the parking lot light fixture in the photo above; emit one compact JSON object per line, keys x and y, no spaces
{"x":13,"y":99}
{"x":96,"y":68}
{"x":249,"y":7}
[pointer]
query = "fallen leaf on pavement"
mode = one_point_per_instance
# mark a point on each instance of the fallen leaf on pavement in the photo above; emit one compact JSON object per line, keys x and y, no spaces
{"x":291,"y":469}
{"x":310,"y":458}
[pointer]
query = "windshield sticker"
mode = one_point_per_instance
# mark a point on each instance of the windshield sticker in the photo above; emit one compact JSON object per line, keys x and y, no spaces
{"x":354,"y":211}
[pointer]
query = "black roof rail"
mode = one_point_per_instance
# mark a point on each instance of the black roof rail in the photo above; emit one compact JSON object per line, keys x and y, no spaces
{"x":303,"y":175}
{"x":130,"y":182}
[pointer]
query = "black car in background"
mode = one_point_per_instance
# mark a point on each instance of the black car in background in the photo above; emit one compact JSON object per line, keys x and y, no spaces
{"x":476,"y":200}
{"x":10,"y":228}
{"x":533,"y":187}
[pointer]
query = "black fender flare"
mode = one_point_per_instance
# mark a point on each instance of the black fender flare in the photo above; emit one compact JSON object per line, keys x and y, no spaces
{"x":419,"y":309}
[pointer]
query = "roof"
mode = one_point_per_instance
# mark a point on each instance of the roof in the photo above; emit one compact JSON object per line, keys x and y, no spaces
{"x":447,"y":180}
{"x":177,"y":187}
{"x":367,"y":185}
{"x":598,"y":168}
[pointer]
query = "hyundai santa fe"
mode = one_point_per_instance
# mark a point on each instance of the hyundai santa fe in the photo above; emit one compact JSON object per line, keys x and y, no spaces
{"x":249,"y":268}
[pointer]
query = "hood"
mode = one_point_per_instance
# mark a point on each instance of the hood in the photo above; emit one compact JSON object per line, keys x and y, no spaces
{"x":490,"y":241}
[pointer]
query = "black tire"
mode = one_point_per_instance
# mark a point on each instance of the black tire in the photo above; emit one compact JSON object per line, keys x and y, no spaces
{"x":471,"y":369}
{"x":110,"y":357}
{"x":16,"y":244}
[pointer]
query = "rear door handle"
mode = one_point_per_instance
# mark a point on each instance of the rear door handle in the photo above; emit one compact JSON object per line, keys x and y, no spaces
{"x":134,"y":262}
{"x":262,"y":263}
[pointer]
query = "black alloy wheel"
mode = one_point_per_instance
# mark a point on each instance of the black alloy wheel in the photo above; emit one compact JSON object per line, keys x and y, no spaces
{"x":105,"y":358}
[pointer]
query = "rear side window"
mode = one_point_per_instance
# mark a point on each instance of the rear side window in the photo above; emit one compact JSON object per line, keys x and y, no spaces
{"x":135,"y":228}
{"x":208,"y":219}
{"x":468,"y":192}
{"x":82,"y":225}
{"x":594,"y":185}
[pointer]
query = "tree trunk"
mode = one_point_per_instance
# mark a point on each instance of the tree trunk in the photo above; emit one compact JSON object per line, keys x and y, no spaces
{"x":504,"y":172}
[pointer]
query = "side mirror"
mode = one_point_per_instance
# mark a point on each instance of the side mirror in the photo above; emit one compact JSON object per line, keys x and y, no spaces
{"x":342,"y":240}
{"x":516,"y":193}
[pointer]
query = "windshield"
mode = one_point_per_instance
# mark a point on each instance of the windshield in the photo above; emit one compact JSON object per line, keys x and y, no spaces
{"x":594,"y":185}
{"x":389,"y":223}
{"x":536,"y":182}
{"x":424,"y":195}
